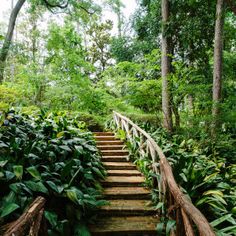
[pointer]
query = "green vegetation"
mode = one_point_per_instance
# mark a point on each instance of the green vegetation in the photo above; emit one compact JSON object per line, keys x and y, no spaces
{"x":71,"y":66}
{"x":53,"y":156}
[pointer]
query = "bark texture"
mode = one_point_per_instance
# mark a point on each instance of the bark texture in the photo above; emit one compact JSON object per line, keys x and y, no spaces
{"x":166,"y":68}
{"x":218,"y":63}
{"x":8,"y":37}
{"x":24,"y":223}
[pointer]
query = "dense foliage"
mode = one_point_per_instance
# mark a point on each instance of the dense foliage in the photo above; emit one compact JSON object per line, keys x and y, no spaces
{"x":55,"y":157}
{"x":73,"y":63}
{"x":202,"y":168}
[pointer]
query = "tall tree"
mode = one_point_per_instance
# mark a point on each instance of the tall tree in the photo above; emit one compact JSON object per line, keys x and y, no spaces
{"x":166,"y":67}
{"x":8,"y":38}
{"x":98,"y":52}
{"x":218,"y":63}
{"x":61,"y":4}
{"x":116,"y":6}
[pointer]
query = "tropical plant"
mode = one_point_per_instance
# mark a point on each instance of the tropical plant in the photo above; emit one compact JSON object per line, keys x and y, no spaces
{"x":53,"y":156}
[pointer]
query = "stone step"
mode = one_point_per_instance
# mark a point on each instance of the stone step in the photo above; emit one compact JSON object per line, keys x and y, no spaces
{"x":123,"y":207}
{"x":119,"y":166}
{"x":126,"y":193}
{"x":115,"y":158}
{"x":123,"y":173}
{"x":123,"y":226}
{"x":126,"y":181}
{"x":110,"y":147}
{"x":103,"y":133}
{"x":105,"y":138}
{"x":109,"y":143}
{"x":114,"y":152}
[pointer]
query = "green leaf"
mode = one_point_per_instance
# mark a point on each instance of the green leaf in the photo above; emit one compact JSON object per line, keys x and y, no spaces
{"x":65,"y":148}
{"x":159,"y":228}
{"x":36,"y":186}
{"x":18,"y":171}
{"x":81,"y":230}
{"x":51,"y":217}
{"x":3,"y":145}
{"x":159,"y":205}
{"x":79,"y":149}
{"x":184,"y":177}
{"x":3,"y":163}
{"x":61,"y":134}
{"x":220,"y":220}
{"x":9,"y":175}
{"x":211,"y":177}
{"x":169,"y":226}
{"x":230,"y":229}
{"x":71,"y":194}
{"x":33,"y":156}
{"x":213,"y":192}
{"x":53,"y":186}
{"x":98,"y":172}
{"x":34,"y":172}
{"x":8,"y":208}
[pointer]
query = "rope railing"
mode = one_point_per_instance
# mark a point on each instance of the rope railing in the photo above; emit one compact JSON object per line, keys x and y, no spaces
{"x":183,"y":211}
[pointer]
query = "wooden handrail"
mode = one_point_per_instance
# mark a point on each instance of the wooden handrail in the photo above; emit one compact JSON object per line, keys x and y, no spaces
{"x":167,"y":181}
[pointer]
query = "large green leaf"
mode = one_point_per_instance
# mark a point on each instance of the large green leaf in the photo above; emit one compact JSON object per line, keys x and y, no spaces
{"x":3,"y":163}
{"x":72,"y":195}
{"x":98,"y":172}
{"x":3,"y":145}
{"x":34,"y":172}
{"x":65,"y":148}
{"x":169,"y":226}
{"x":51,"y":217}
{"x":18,"y":171}
{"x":54,"y":187}
{"x":81,"y":230}
{"x":220,"y":220}
{"x":36,"y":186}
{"x":8,"y":208}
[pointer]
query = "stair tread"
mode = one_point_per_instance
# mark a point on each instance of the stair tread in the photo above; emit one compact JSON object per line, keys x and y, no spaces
{"x":123,"y":172}
{"x":114,"y":158}
{"x":126,"y":190}
{"x":109,"y":142}
{"x":122,"y":225}
{"x":103,"y":133}
{"x":114,"y":147}
{"x":118,"y":164}
{"x":124,"y":179}
{"x":130,"y":205}
{"x":130,"y":210}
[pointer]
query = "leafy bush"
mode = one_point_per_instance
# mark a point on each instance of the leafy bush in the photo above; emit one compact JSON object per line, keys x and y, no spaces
{"x":54,"y":157}
{"x":206,"y":170}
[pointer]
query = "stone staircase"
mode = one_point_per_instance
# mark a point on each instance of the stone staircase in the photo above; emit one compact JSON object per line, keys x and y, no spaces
{"x":130,"y":211}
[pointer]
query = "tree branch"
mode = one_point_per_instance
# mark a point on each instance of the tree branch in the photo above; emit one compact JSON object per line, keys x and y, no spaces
{"x":51,"y":5}
{"x":8,"y":37}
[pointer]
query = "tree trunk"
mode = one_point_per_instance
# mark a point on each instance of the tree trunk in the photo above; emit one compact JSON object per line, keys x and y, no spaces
{"x":119,"y":22}
{"x":165,"y":69}
{"x":218,"y":63}
{"x":23,"y":224}
{"x":8,"y":37}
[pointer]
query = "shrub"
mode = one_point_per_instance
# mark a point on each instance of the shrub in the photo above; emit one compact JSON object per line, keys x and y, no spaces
{"x":54,"y":157}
